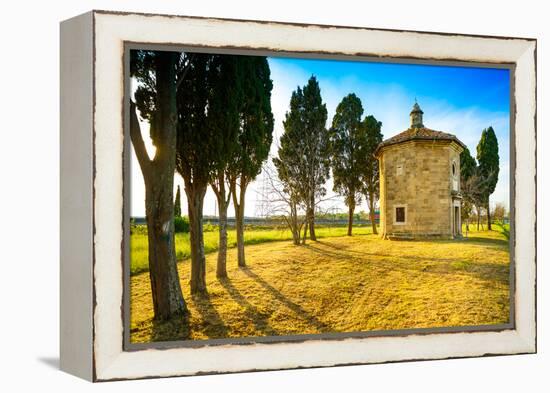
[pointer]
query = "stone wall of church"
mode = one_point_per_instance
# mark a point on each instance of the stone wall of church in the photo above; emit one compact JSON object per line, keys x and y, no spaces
{"x":418,"y":175}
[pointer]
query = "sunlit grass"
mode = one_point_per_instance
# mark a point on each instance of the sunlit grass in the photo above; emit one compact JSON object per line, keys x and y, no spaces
{"x":339,"y":284}
{"x":138,"y":242}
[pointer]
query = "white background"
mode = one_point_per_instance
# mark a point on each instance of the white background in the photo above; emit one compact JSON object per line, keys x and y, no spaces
{"x":29,"y":196}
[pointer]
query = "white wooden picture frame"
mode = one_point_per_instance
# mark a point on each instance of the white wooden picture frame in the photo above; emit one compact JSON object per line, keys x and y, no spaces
{"x":92,"y":194}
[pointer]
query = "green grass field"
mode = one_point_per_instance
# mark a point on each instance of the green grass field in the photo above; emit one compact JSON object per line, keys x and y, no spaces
{"x":339,"y":284}
{"x":139,"y":244}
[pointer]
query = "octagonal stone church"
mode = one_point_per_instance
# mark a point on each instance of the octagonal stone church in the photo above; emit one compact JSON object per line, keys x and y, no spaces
{"x":420,"y":183}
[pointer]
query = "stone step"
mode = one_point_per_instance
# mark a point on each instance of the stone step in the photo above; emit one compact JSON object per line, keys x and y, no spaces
{"x":400,"y":236}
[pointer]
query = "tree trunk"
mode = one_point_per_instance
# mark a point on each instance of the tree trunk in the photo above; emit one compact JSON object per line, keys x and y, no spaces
{"x":488,"y":215}
{"x":294,"y":224}
{"x":351,"y":210}
{"x":478,"y":217}
{"x":371,"y":214}
{"x":306,"y":223}
{"x":195,"y":198}
{"x":158,"y":175}
{"x":223,"y":203}
{"x":238,"y":202}
{"x":311,"y":225}
{"x":221,"y":267}
{"x":296,"y":237}
{"x":240,"y":236}
{"x":311,"y":216}
{"x":165,"y":284}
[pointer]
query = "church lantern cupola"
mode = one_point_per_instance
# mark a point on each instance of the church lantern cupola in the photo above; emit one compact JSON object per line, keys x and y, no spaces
{"x":416,"y":116}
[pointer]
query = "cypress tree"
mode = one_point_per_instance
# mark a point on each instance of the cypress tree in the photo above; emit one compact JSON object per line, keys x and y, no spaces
{"x":194,"y":156}
{"x":347,"y":145}
{"x":254,"y":137}
{"x":469,"y":186}
{"x":224,"y":122}
{"x":488,"y":159}
{"x":305,"y":150}
{"x":155,"y":98}
{"x":371,"y":178}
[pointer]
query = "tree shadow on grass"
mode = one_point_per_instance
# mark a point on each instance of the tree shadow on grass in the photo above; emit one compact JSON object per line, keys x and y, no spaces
{"x":174,"y":329}
{"x":340,"y":253}
{"x":260,"y":320}
{"x":297,"y":309}
{"x":334,"y":246}
{"x":490,"y":272}
{"x":212,"y":323}
{"x":483,"y":241}
{"x":494,"y":243}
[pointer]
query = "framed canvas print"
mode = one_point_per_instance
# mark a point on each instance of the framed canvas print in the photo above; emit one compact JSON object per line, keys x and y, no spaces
{"x":245,"y":195}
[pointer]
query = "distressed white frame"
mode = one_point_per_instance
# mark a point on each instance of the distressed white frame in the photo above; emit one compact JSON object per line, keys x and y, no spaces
{"x":109,"y":32}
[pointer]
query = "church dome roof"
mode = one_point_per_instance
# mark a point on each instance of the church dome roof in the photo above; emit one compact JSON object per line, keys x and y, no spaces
{"x":418,"y":134}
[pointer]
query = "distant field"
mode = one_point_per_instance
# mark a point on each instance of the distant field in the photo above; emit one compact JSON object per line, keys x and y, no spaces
{"x":139,"y":244}
{"x":339,"y":284}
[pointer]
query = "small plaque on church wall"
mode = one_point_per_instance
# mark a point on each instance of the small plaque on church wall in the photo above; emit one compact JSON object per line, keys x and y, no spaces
{"x":246,"y":195}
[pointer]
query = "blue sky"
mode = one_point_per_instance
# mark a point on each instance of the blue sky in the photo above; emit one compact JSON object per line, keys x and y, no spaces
{"x":487,"y":88}
{"x":459,"y":100}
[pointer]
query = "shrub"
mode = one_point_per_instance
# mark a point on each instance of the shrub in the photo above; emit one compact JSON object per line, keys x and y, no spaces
{"x":181,"y":224}
{"x":209,"y":227}
{"x":504,"y":229}
{"x":138,"y":229}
